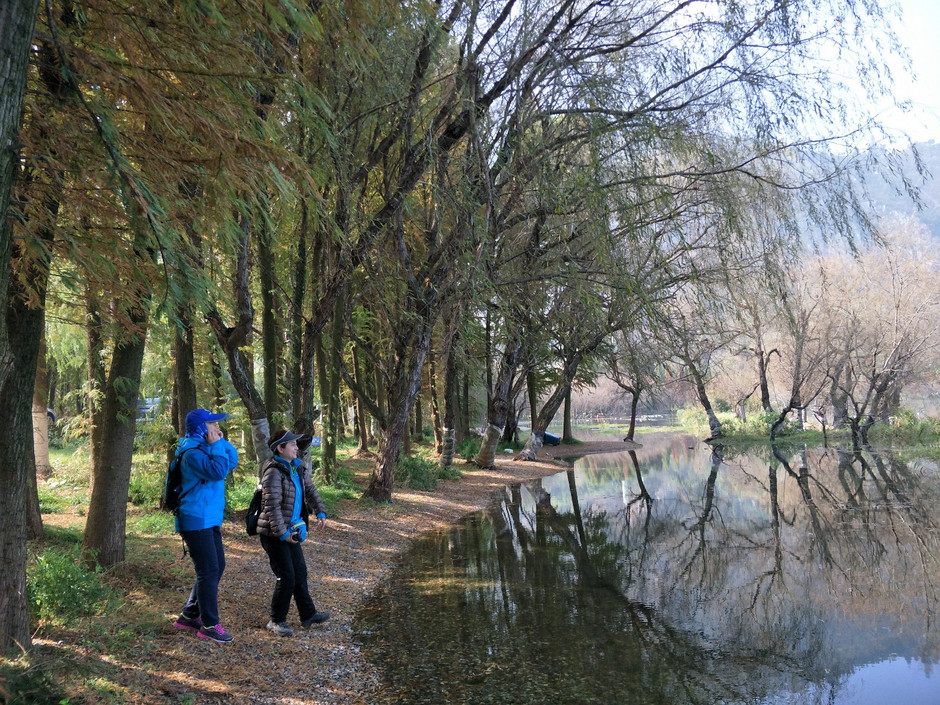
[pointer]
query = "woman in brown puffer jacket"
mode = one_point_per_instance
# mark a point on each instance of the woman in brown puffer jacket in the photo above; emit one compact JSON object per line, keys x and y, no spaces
{"x":287,"y":497}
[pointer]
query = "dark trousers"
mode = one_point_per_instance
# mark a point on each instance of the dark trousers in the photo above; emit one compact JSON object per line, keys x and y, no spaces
{"x":290,"y":569}
{"x":205,"y":547}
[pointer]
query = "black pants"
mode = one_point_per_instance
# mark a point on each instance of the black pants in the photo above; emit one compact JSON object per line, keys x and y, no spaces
{"x":205,"y":547}
{"x":290,"y":569}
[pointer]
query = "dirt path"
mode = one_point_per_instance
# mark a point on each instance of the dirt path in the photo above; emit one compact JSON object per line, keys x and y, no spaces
{"x":346,"y":560}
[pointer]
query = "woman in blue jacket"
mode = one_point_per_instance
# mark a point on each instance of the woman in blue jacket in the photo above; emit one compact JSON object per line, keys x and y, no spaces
{"x":207,"y":460}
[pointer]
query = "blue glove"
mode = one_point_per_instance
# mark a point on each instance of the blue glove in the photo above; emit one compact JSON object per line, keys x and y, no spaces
{"x":286,"y":535}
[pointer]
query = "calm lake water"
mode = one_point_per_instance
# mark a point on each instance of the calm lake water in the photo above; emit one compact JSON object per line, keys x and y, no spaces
{"x":679,"y":574}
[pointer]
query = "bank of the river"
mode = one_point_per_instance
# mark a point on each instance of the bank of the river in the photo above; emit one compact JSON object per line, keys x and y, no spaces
{"x":323,"y":665}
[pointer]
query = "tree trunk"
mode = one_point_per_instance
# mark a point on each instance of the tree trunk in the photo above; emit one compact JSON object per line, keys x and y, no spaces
{"x":405,"y":388}
{"x":448,"y":430}
{"x":104,"y":539}
{"x":14,"y":472}
{"x":762,"y":378}
{"x":184,"y":356}
{"x":96,"y":376}
{"x":838,"y":396}
{"x":184,"y":368}
{"x":233,"y":340}
{"x":380,"y":399}
{"x":418,"y":415}
{"x":17,"y":20}
{"x":533,"y":394}
{"x":362,"y":417}
{"x":23,"y":326}
{"x":218,"y":395}
{"x":362,"y":427}
{"x":714,"y":425}
{"x":40,"y":409}
{"x":308,"y":375}
{"x":498,"y":404}
{"x":511,"y":429}
{"x":463,"y":428}
{"x":269,"y":318}
{"x":406,"y":440}
{"x":435,"y":408}
{"x":295,"y":364}
{"x":567,"y":435}
{"x":333,"y":417}
{"x":634,"y":403}
{"x":554,"y":401}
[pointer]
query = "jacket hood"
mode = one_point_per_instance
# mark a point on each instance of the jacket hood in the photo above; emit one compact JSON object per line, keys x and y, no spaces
{"x":187,"y":443}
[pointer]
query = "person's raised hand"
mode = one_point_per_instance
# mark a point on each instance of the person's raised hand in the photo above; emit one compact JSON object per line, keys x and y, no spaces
{"x":213,"y":433}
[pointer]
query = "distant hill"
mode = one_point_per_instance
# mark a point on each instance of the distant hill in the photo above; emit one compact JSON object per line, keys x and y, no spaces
{"x":887,"y":202}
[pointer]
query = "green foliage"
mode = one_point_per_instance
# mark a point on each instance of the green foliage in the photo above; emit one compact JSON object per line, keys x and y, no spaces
{"x":757,"y":424}
{"x":906,"y":426}
{"x":154,"y":435}
{"x":422,"y":473}
{"x":692,"y":418}
{"x":343,"y":487}
{"x":152,"y":523}
{"x":67,"y":489}
{"x":239,"y":489}
{"x":73,"y":429}
{"x":147,"y":478}
{"x":62,"y":588}
{"x":416,"y":473}
{"x":450,"y":472}
{"x":51,"y":502}
{"x":469,"y":447}
{"x":71,"y":461}
{"x":29,"y":680}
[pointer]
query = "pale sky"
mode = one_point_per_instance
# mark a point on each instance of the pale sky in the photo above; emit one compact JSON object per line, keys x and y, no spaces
{"x":919,"y":30}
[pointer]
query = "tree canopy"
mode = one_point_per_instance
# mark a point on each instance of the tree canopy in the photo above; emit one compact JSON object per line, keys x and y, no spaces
{"x":505,"y":192}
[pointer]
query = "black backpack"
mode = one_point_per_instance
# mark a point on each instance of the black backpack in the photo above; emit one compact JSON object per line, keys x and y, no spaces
{"x":173,"y":485}
{"x":254,"y":510}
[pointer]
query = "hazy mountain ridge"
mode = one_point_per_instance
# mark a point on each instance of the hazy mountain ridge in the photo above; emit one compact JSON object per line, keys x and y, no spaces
{"x":886,"y":202}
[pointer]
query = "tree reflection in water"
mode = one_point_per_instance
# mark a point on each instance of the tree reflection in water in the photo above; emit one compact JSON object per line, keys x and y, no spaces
{"x":678,"y":574}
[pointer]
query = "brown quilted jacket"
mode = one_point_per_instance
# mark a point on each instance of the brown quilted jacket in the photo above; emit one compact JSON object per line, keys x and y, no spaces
{"x":277,"y":498}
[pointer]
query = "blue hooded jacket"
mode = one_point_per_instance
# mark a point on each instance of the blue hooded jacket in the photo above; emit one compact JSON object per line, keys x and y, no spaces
{"x":204,"y":468}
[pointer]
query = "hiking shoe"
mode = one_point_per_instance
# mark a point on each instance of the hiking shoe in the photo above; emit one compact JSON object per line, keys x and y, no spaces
{"x":315,"y":619}
{"x":280,"y":628}
{"x":214,"y":633}
{"x":193,"y":624}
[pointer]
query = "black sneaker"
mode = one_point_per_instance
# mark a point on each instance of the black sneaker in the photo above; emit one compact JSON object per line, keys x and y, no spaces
{"x":214,"y":633}
{"x":280,"y":628}
{"x":315,"y":619}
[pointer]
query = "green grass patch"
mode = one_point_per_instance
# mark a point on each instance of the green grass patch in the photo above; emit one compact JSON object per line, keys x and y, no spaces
{"x":32,"y":679}
{"x":421,"y":473}
{"x":62,"y":588}
{"x":468,"y":448}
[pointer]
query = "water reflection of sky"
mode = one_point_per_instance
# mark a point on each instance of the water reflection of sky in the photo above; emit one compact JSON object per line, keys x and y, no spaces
{"x":685,"y":576}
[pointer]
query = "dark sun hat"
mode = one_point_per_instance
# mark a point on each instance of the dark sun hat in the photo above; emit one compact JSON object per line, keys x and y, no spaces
{"x":285,"y":437}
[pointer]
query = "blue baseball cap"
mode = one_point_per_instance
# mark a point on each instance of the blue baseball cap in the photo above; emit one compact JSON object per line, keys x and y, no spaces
{"x":198,"y":417}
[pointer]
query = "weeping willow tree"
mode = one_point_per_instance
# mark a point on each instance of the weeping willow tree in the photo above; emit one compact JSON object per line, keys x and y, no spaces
{"x":377,"y":151}
{"x":148,"y":136}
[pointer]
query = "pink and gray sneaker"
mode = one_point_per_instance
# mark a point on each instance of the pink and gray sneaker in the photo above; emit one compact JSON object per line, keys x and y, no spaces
{"x":193,"y":624}
{"x":214,"y":633}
